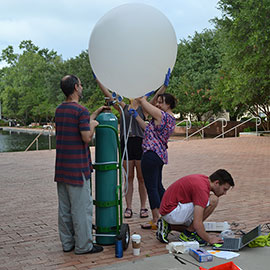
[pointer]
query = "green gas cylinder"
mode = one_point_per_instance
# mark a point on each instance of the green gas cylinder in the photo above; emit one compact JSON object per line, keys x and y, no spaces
{"x":106,"y":178}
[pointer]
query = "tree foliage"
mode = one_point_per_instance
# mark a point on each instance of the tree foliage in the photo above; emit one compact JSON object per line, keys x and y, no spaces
{"x":244,"y":32}
{"x":222,"y":69}
{"x":193,"y":75}
{"x":27,"y":87}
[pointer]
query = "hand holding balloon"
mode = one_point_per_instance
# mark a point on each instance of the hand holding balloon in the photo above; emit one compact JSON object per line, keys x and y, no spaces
{"x":133,"y":112}
{"x":167,"y":78}
{"x":149,"y":93}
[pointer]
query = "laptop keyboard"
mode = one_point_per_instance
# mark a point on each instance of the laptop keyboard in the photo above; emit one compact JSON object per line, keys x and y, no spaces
{"x":231,"y":243}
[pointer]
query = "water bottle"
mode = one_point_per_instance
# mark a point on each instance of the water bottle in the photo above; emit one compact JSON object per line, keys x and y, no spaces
{"x":118,"y":247}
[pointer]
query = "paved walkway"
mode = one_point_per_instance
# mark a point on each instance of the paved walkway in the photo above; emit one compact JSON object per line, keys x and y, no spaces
{"x":28,"y":201}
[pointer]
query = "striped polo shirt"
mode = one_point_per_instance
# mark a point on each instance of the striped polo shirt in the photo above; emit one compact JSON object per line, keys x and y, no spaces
{"x":72,"y":154}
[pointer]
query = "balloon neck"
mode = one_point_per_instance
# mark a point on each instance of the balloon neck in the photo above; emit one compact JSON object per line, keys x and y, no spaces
{"x":132,"y":103}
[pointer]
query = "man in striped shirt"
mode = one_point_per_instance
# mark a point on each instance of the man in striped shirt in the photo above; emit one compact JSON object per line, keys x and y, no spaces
{"x":74,"y":130}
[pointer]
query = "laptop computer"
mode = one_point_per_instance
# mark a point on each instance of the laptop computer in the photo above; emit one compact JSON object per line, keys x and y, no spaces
{"x":235,"y":244}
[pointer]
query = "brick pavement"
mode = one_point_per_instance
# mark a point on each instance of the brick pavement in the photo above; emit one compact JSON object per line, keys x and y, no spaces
{"x":28,"y":201}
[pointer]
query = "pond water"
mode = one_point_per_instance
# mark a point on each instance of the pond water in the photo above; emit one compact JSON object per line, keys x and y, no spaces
{"x":12,"y":141}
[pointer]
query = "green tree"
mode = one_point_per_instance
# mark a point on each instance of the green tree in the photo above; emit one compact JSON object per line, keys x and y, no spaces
{"x":194,"y":73}
{"x":9,"y":56}
{"x":25,"y":86}
{"x":245,"y":44}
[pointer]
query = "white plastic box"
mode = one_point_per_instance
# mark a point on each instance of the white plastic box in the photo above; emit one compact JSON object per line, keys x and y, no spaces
{"x":182,"y":247}
{"x":216,"y":226}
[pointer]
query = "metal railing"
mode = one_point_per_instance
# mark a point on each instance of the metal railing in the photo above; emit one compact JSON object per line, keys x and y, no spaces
{"x":188,"y":125}
{"x":46,"y":127}
{"x":258,"y":122}
{"x":223,"y":125}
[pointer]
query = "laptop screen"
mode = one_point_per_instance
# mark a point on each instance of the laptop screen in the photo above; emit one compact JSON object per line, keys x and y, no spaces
{"x":250,"y":236}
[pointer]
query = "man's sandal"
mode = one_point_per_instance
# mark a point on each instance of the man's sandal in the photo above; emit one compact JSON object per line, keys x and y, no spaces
{"x":149,"y":226}
{"x":144,"y":213}
{"x":128,"y":213}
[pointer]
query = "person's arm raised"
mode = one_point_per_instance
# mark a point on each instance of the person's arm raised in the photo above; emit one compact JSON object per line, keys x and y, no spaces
{"x":108,"y":94}
{"x":140,"y":121}
{"x":150,"y":109}
{"x":163,"y":88}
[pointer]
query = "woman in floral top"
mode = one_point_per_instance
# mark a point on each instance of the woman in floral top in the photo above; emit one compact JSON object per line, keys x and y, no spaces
{"x":155,"y":144}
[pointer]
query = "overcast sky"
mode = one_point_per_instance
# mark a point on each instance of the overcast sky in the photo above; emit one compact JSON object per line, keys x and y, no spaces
{"x":65,"y":25}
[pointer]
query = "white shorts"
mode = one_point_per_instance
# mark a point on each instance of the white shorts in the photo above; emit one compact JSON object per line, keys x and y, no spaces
{"x":181,"y":215}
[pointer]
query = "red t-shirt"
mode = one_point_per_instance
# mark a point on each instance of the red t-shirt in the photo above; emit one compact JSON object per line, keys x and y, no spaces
{"x":193,"y":188}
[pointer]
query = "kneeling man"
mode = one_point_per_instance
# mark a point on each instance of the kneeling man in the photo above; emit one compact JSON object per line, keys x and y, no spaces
{"x":188,"y":202}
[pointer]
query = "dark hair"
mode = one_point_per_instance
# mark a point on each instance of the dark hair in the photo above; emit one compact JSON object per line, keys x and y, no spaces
{"x":67,"y":84}
{"x":169,"y":99}
{"x":222,"y":176}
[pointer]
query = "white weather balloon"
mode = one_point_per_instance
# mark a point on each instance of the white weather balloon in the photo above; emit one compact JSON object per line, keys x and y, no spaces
{"x":131,"y":48}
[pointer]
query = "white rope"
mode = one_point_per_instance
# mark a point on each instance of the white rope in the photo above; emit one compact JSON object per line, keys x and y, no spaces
{"x":125,"y":152}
